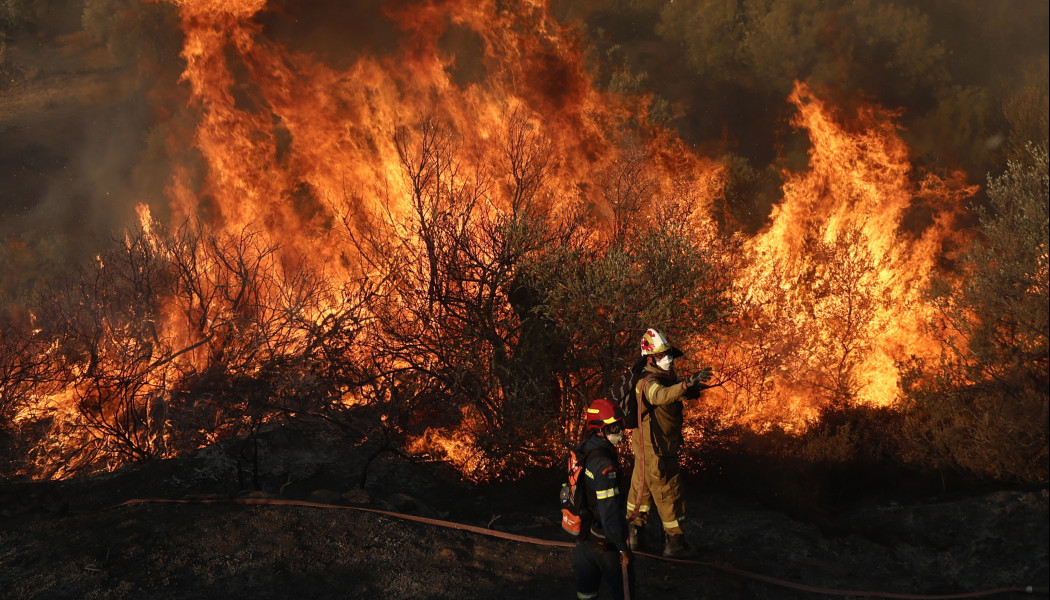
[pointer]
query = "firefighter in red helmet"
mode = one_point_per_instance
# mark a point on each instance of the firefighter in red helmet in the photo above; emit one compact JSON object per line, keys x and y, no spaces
{"x":602,"y":553}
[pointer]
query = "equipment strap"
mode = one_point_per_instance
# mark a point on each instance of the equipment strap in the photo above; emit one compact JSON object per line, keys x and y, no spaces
{"x":641,"y":450}
{"x":587,"y":459}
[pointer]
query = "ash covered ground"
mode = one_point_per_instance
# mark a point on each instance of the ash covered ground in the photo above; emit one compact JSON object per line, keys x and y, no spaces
{"x":72,"y":539}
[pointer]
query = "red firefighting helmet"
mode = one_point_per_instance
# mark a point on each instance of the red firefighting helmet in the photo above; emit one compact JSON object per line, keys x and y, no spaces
{"x":603,"y":412}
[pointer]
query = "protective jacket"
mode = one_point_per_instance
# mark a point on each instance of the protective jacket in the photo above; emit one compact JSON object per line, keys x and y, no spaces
{"x":605,"y":495}
{"x":662,"y":393}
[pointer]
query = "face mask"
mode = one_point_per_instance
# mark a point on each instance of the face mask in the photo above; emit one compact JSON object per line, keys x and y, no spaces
{"x":615,"y":438}
{"x":665,"y":362}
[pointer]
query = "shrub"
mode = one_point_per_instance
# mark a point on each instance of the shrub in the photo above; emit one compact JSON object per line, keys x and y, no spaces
{"x":983,"y":407}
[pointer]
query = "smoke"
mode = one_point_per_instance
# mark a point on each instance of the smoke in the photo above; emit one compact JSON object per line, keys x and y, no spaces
{"x":79,"y":134}
{"x":330,"y":30}
{"x":96,"y":191}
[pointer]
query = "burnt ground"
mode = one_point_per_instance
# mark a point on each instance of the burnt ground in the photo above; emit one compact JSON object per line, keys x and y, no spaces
{"x":70,"y":539}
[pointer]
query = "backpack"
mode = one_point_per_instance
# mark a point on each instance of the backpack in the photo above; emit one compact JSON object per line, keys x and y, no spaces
{"x":576,"y":513}
{"x":622,"y":392}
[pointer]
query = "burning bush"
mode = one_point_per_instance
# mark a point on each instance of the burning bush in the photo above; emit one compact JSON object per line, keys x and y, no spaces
{"x":447,"y":337}
{"x":497,"y":325}
{"x":472,"y":245}
{"x":171,"y":341}
{"x":982,"y":407}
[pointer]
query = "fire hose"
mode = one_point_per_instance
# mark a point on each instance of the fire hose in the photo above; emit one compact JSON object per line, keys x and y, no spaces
{"x":626,"y":579}
{"x":542,"y":542}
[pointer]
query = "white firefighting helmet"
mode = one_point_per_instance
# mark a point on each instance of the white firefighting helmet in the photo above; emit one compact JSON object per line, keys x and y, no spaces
{"x":654,"y":342}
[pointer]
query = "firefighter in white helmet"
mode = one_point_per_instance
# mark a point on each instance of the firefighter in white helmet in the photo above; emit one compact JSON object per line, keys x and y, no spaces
{"x":656,"y":480}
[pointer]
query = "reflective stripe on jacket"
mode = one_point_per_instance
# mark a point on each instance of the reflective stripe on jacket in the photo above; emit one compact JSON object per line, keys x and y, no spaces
{"x":661,"y":421}
{"x":604,"y":482}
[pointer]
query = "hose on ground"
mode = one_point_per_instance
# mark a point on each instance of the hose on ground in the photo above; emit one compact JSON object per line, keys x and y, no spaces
{"x":542,"y":542}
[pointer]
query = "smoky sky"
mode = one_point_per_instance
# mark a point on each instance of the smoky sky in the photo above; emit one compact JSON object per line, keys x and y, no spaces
{"x":81,"y":83}
{"x":92,"y":108}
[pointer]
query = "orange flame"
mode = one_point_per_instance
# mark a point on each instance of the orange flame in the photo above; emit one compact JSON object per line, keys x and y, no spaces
{"x":838,"y":274}
{"x":293,"y":148}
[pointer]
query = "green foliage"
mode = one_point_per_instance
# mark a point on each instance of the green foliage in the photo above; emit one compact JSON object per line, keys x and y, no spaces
{"x":962,"y":129}
{"x":1027,"y":108}
{"x":1005,"y":280}
{"x":600,"y":300}
{"x":626,"y":80}
{"x":712,"y":33}
{"x":770,"y":44}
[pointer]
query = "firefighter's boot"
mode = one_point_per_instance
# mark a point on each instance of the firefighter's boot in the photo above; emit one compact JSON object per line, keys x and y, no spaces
{"x":676,"y":547}
{"x":635,"y":537}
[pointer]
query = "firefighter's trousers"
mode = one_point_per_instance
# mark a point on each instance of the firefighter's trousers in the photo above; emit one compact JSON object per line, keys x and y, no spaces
{"x":596,"y":562}
{"x":655,"y":481}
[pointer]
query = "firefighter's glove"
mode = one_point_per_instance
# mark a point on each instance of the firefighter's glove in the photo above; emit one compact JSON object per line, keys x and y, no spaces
{"x":698,"y":381}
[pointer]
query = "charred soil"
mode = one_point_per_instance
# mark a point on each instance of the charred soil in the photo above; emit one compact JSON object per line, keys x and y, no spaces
{"x":75,"y":539}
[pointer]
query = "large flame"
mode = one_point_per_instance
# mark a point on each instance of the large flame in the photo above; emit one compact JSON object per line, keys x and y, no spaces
{"x":295,"y":146}
{"x":833,"y":287}
{"x":290,"y":154}
{"x":292,"y":144}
